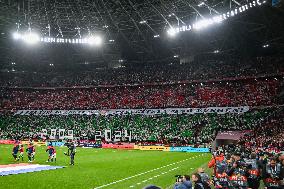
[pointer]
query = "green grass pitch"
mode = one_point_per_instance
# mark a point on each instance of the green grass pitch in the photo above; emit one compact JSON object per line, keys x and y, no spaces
{"x":99,"y":167}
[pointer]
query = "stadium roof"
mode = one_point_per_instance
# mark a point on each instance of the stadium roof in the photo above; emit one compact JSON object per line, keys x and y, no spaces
{"x":132,"y":24}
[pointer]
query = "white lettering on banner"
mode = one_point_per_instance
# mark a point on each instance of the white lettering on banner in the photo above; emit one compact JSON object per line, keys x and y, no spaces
{"x":108,"y":135}
{"x":43,"y":134}
{"x":98,"y":135}
{"x":117,"y":136}
{"x":127,"y":135}
{"x":61,"y":133}
{"x":70,"y":134}
{"x":52,"y":134}
{"x":150,"y":112}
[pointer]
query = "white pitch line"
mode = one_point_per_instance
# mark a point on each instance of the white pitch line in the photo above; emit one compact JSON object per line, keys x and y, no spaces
{"x":154,"y":177}
{"x":127,"y":178}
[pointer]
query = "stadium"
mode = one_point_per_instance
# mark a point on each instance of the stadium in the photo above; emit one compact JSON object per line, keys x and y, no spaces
{"x":142,"y":94}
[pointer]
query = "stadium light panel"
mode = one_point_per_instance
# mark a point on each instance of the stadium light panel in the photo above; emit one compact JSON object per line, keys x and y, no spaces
{"x":172,"y":32}
{"x":17,"y":36}
{"x":218,"y":19}
{"x":156,"y":36}
{"x":203,"y":23}
{"x":95,"y":40}
{"x":201,"y":4}
{"x":265,"y":46}
{"x":31,"y":38}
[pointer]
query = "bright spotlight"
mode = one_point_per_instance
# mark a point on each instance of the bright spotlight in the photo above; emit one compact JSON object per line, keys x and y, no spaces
{"x":31,"y":38}
{"x":16,"y":36}
{"x":217,"y":19}
{"x":201,"y":4}
{"x":203,"y":23}
{"x":172,"y":32}
{"x":95,"y":40}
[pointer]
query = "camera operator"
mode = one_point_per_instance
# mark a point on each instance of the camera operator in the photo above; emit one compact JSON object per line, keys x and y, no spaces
{"x":183,"y":182}
{"x":238,"y":173}
{"x":204,"y":176}
{"x":262,"y":161}
{"x":282,"y":173}
{"x":198,"y":184}
{"x":271,"y":175}
{"x":220,"y":166}
{"x":254,"y":172}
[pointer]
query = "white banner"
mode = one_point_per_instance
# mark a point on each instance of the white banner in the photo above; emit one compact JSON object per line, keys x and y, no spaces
{"x":52,"y":134}
{"x":169,"y":111}
{"x":43,"y":134}
{"x":70,"y":134}
{"x":61,"y":133}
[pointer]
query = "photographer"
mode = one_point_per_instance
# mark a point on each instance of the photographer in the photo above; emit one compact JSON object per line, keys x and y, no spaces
{"x":198,"y":184}
{"x":220,"y":166}
{"x":254,"y":172}
{"x":183,"y":182}
{"x":238,"y":173}
{"x":271,"y":175}
{"x":204,"y":176}
{"x":282,"y":173}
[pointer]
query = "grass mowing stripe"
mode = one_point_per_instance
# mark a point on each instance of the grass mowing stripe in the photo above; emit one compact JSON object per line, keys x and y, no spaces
{"x":127,"y":178}
{"x":152,"y":170}
{"x":132,"y":186}
{"x":96,"y":167}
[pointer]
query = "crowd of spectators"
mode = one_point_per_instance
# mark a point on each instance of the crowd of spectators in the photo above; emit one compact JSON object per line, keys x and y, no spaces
{"x":207,"y":69}
{"x":270,"y":134}
{"x":249,"y":92}
{"x":183,"y":129}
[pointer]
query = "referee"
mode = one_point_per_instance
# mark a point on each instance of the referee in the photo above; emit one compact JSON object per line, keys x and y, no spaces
{"x":71,"y":152}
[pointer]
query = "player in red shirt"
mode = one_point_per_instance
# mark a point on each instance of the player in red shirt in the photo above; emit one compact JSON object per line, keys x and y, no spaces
{"x":54,"y":154}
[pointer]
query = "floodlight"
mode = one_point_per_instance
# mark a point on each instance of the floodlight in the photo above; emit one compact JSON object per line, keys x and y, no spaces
{"x":203,"y":23}
{"x":16,"y":36}
{"x":172,"y":32}
{"x":31,"y":38}
{"x":95,"y":40}
{"x":201,"y":4}
{"x":217,"y":19}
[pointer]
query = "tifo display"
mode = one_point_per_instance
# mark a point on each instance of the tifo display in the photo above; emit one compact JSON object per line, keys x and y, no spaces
{"x":142,"y":94}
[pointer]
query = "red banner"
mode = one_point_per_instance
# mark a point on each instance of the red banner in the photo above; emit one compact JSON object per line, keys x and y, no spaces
{"x":7,"y":141}
{"x":119,"y":146}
